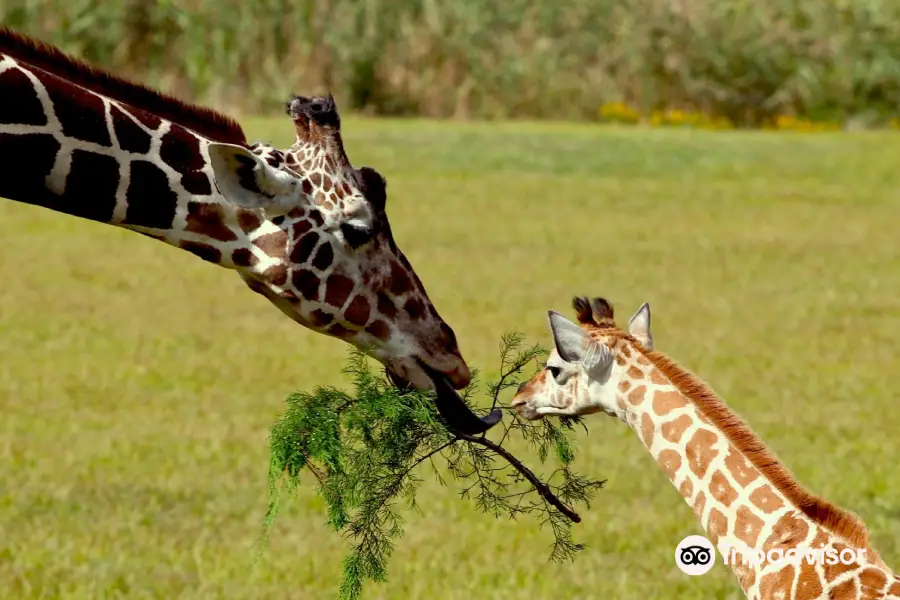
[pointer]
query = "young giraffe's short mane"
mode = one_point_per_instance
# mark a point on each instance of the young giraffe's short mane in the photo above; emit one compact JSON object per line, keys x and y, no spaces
{"x":205,"y":121}
{"x":840,"y":522}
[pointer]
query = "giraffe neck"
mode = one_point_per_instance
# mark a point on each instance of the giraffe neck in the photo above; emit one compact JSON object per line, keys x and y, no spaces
{"x":742,"y":496}
{"x":77,"y":152}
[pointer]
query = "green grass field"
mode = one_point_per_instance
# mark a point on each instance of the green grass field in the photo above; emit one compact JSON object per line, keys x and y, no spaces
{"x":137,"y":383}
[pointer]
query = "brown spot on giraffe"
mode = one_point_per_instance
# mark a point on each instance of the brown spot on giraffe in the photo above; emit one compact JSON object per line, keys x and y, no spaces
{"x":673,"y":430}
{"x":243,"y":257}
{"x":320,"y":318}
{"x":209,"y":220}
{"x":324,"y":256}
{"x":741,"y":470}
{"x":23,"y":106}
{"x":669,"y":461}
{"x":747,"y":526}
{"x":179,"y":149}
{"x":700,"y":451}
{"x":657,"y":378}
{"x":635,"y":373}
{"x":819,"y":540}
{"x":131,"y":137}
{"x":789,"y":531}
{"x":304,"y":247}
{"x":666,"y":402}
{"x":625,"y":350}
{"x":642,"y":360}
{"x":358,"y":312}
{"x":809,"y":585}
{"x":400,"y":281}
{"x":337,"y":289}
{"x":306,"y":283}
{"x":204,"y":251}
{"x":716,"y":525}
{"x":79,"y":112}
{"x":340,"y":331}
{"x":637,"y":395}
{"x":777,"y":584}
{"x":686,"y":488}
{"x":620,"y":360}
{"x":379,"y":329}
{"x":765,"y":499}
{"x":386,"y":306}
{"x":624,"y":385}
{"x":414,"y":308}
{"x":299,"y":228}
{"x":699,"y":504}
{"x":276,"y":275}
{"x":720,"y":489}
{"x":872,"y":583}
{"x":844,"y":591}
{"x":274,"y":244}
{"x":248,"y":220}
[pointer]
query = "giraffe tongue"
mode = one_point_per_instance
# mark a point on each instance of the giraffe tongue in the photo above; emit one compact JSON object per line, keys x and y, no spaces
{"x":457,"y":415}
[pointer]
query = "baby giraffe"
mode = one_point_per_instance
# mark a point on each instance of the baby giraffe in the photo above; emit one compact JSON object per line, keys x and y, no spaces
{"x":744,"y":497}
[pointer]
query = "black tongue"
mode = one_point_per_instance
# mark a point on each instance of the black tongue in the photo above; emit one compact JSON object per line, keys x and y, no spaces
{"x":457,"y":415}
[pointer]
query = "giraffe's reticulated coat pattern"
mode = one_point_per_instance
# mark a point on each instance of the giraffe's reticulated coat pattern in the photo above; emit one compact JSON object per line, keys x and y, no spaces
{"x":740,"y":493}
{"x":301,"y":226}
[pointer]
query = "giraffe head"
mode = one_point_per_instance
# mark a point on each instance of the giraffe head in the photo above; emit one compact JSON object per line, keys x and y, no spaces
{"x":587,"y":363}
{"x":340,"y":273}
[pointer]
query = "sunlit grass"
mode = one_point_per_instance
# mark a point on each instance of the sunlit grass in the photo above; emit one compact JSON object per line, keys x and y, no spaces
{"x":138,"y":384}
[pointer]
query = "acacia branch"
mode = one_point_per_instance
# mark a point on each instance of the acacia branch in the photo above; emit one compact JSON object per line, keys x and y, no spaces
{"x":542,"y":489}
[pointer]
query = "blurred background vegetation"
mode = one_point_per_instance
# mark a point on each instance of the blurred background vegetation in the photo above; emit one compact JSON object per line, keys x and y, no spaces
{"x":716,"y":62}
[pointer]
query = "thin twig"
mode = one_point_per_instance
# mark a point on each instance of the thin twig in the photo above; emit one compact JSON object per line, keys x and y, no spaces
{"x":539,"y":485}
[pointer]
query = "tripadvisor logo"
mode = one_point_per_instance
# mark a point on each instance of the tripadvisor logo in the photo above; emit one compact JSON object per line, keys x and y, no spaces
{"x":695,"y":555}
{"x":823,"y":555}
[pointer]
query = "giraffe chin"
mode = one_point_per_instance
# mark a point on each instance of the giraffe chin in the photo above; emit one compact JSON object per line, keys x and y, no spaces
{"x":456,"y":414}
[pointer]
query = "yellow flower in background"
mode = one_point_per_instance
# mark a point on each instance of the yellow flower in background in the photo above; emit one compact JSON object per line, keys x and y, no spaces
{"x":621,"y":112}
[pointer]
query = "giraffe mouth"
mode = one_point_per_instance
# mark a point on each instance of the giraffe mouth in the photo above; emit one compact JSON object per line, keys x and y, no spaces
{"x":456,"y":414}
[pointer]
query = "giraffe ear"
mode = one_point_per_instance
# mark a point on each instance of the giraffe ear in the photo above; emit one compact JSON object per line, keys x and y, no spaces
{"x":573,"y":343}
{"x":639,"y":326}
{"x":248,"y":181}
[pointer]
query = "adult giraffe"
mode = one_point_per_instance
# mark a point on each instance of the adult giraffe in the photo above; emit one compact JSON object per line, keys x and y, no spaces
{"x":743,"y":496}
{"x":303,"y":227}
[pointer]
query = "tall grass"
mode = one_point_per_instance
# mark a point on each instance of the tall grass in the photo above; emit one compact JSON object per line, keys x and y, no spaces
{"x":744,"y":60}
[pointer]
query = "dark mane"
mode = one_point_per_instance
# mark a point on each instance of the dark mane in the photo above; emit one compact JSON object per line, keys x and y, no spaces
{"x":205,"y":121}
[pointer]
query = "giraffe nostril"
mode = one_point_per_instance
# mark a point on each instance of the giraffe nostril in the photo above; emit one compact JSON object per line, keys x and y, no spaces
{"x":449,"y":336}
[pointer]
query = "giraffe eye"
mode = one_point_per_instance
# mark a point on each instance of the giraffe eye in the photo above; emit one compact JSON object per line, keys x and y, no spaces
{"x":356,"y":235}
{"x":555,"y":372}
